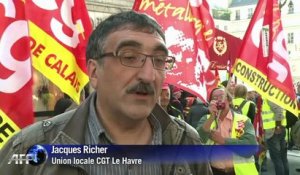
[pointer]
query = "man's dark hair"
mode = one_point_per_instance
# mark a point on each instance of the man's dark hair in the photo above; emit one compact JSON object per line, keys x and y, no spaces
{"x":123,"y":20}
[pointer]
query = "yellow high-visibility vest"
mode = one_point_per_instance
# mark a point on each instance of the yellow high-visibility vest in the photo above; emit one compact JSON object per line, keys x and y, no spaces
{"x":242,"y":165}
{"x":268,"y":116}
{"x":238,"y":102}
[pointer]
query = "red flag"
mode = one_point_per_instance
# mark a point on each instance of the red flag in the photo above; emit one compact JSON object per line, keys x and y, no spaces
{"x":58,"y":38}
{"x":259,"y":132}
{"x":263,"y":59}
{"x":16,"y":109}
{"x":224,"y":50}
{"x":189,"y":30}
{"x":218,"y":80}
{"x":257,"y":123}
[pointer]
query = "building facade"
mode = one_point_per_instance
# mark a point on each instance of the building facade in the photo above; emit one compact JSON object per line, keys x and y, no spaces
{"x":100,"y":9}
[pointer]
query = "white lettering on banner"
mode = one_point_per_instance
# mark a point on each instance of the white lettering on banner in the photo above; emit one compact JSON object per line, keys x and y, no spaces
{"x":66,"y":15}
{"x":21,"y":68}
{"x":278,"y":48}
{"x":281,"y":70}
{"x":9,"y":7}
{"x":57,"y":27}
{"x":281,"y":51}
{"x":47,"y":5}
{"x":195,"y":3}
{"x":256,"y":32}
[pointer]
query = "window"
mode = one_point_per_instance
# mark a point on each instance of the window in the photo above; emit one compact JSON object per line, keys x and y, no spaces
{"x":237,"y":15}
{"x":291,"y":7}
{"x":290,"y":38}
{"x":250,"y":13}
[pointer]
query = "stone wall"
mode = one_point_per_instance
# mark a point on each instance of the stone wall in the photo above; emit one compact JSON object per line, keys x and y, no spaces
{"x":100,"y":9}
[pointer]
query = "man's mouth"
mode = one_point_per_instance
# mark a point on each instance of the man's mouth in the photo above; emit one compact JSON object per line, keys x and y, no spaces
{"x":142,"y":93}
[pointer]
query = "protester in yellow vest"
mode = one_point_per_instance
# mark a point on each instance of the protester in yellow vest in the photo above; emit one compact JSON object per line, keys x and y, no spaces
{"x":274,"y":123}
{"x":225,"y":127}
{"x":239,"y":102}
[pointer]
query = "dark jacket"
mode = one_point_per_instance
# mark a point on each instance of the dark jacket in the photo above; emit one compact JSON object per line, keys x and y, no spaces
{"x":196,"y":112}
{"x":68,"y":128}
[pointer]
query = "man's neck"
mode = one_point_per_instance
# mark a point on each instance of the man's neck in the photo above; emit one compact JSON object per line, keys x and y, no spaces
{"x":131,"y":134}
{"x":124,"y":130}
{"x":223,"y":114}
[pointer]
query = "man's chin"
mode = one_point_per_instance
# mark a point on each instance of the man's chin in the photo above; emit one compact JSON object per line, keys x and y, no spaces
{"x":139,"y":112}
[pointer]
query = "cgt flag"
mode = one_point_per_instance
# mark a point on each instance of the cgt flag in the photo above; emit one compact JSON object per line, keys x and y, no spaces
{"x":53,"y":34}
{"x":263,"y":59}
{"x":15,"y":71}
{"x":58,"y":38}
{"x":189,"y":30}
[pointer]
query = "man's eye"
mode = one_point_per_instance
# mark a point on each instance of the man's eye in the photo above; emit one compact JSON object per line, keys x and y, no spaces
{"x":130,"y":57}
{"x":160,"y":59}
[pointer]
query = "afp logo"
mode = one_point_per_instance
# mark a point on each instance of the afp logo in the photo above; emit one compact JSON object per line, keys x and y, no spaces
{"x":36,"y":155}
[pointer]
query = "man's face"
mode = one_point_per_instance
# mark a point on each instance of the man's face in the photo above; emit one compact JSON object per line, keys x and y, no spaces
{"x":121,"y":89}
{"x":251,"y":95}
{"x":220,"y":97}
{"x":177,"y":95}
{"x":165,"y":98}
{"x":231,"y":86}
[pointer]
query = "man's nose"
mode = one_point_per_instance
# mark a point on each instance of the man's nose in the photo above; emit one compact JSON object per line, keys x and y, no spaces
{"x":147,"y":72}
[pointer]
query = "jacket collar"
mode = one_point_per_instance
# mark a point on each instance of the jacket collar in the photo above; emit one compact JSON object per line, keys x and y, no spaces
{"x":171,"y":131}
{"x":74,"y":130}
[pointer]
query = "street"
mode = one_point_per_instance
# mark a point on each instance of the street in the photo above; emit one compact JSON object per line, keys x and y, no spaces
{"x":294,"y":162}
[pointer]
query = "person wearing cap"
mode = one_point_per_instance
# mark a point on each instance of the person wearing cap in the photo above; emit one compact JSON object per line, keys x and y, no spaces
{"x":175,"y":103}
{"x":164,"y":101}
{"x":164,"y":98}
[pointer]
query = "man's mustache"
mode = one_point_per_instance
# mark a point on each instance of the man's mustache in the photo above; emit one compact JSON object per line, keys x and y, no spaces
{"x":141,"y":88}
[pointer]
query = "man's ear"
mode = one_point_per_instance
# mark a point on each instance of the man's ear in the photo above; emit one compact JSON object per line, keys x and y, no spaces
{"x":92,"y":72}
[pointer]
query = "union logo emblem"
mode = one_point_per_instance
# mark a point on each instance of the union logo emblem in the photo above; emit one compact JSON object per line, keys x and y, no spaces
{"x":220,"y":45}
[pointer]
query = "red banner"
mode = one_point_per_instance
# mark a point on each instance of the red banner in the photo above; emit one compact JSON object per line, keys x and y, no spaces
{"x":59,"y":34}
{"x":224,"y":50}
{"x":53,"y":34}
{"x":16,"y":74}
{"x":263,"y":59}
{"x":189,"y":30}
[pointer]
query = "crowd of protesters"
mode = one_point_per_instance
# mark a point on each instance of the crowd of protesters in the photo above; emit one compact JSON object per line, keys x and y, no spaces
{"x":278,"y":135}
{"x":123,"y":110}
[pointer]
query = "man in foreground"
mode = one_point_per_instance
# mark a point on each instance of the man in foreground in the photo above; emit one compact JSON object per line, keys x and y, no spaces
{"x":127,"y":60}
